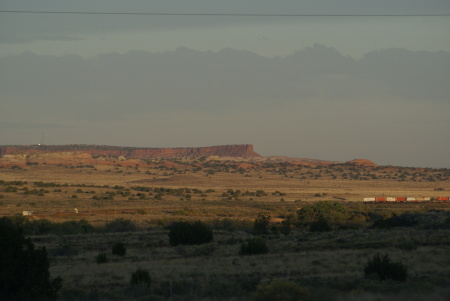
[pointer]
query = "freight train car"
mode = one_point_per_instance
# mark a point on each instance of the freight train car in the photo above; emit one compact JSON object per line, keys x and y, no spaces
{"x":406,"y":199}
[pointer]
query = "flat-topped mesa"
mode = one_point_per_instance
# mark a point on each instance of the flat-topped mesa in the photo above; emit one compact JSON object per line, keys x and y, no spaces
{"x":245,"y":150}
{"x":242,"y":150}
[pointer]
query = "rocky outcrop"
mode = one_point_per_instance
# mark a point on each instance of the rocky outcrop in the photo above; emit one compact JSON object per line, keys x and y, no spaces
{"x":244,"y":150}
{"x":362,"y":162}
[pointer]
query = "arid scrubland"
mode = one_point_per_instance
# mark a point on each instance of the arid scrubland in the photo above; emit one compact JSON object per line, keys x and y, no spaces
{"x":316,"y":256}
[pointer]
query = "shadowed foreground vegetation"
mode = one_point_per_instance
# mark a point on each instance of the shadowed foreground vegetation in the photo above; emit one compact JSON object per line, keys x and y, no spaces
{"x":332,"y":251}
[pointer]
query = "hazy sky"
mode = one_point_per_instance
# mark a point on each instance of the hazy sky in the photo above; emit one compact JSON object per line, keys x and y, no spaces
{"x":325,"y":87}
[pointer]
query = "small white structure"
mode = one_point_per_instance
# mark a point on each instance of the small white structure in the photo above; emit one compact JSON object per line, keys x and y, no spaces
{"x":27,"y":212}
{"x":75,"y":210}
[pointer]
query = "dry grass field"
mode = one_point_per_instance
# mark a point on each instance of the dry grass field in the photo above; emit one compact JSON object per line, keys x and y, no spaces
{"x":229,"y":197}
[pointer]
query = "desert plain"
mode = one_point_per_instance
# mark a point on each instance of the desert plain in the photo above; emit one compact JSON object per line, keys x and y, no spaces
{"x":134,"y":202}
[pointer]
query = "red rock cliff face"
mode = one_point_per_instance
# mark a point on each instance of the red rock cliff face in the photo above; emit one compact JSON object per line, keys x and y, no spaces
{"x":244,"y":150}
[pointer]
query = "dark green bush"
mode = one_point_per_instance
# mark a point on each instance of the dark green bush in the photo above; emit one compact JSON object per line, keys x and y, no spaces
{"x":285,"y":227}
{"x":332,"y":213}
{"x":120,"y":225}
{"x":73,"y":227}
{"x":141,"y":278}
{"x":320,"y":225}
{"x":253,"y":246}
{"x":18,"y":221}
{"x":403,"y":220}
{"x":261,"y":224}
{"x":119,"y":249}
{"x":101,"y":258}
{"x":280,"y":290}
{"x":383,"y":268}
{"x":189,"y":233}
{"x":39,"y":227}
{"x":45,"y":226}
{"x":24,"y":272}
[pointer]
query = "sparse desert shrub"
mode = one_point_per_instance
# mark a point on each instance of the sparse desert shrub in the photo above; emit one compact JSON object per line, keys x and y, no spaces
{"x":230,"y":287}
{"x":121,"y":225}
{"x":261,"y":224}
{"x":223,"y":224}
{"x":407,"y":245}
{"x":193,"y":251}
{"x":24,"y":272}
{"x":253,"y":246}
{"x":383,"y":268}
{"x":232,"y":225}
{"x":205,"y":250}
{"x":280,"y":290}
{"x":119,"y":249}
{"x":189,"y":233}
{"x":65,"y":248}
{"x":101,"y":258}
{"x":141,"y":278}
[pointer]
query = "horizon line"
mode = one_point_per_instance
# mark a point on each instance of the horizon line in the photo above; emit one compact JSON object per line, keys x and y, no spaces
{"x":222,"y":14}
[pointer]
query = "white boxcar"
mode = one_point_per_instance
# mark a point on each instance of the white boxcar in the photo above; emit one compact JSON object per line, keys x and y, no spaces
{"x":410,"y":199}
{"x":27,"y":212}
{"x":390,"y":199}
{"x":369,"y":199}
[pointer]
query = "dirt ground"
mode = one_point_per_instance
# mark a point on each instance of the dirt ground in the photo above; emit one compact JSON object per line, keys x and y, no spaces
{"x":284,"y":187}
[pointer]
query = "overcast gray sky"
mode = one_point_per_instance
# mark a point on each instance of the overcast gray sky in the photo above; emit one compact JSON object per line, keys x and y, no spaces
{"x":328,"y":87}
